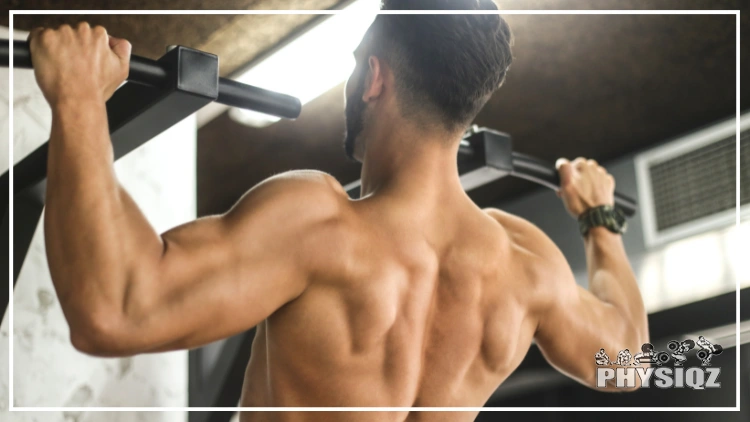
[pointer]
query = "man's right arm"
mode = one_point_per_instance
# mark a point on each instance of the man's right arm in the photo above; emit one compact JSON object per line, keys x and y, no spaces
{"x":585,"y":184}
{"x":575,"y":323}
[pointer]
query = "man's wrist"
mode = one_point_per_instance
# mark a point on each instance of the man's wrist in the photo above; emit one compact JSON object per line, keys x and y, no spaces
{"x":67,"y":102}
{"x":601,"y":233}
{"x":603,"y":216}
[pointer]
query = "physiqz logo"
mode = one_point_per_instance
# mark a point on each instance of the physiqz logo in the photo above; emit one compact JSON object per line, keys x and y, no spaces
{"x":622,"y":372}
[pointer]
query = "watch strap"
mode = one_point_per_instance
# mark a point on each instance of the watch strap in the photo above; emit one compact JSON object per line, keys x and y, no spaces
{"x":605,"y":215}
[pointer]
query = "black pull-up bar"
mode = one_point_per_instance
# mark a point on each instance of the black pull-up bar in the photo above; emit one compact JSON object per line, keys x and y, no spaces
{"x":545,"y":174}
{"x":149,"y":72}
{"x":494,"y":152}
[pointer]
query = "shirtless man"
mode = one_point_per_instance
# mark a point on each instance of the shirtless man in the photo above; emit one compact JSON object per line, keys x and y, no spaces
{"x":409,"y":296}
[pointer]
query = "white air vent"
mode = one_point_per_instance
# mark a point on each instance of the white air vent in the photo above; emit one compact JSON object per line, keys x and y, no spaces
{"x":689,"y":185}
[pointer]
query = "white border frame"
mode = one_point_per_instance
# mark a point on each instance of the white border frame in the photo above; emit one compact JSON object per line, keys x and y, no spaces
{"x":678,"y":146}
{"x":13,"y":408}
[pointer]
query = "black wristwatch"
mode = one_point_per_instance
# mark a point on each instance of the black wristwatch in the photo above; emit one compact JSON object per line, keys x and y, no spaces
{"x":606,"y":215}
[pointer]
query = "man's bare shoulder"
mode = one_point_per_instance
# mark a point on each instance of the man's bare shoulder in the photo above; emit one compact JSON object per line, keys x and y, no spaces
{"x":304,"y":212}
{"x":521,"y":231}
{"x":314,"y":182}
{"x":304,"y":205}
{"x":513,"y":223}
{"x":302,"y":192}
{"x":542,"y":259}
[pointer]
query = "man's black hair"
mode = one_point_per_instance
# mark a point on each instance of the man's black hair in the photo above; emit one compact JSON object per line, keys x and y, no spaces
{"x":446,"y":66}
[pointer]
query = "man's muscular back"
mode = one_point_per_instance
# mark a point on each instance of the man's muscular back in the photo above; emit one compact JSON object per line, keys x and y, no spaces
{"x":411,"y":296}
{"x":428,"y":306}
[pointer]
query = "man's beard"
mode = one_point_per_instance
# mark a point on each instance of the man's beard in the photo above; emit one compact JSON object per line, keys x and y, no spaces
{"x":355,"y":110}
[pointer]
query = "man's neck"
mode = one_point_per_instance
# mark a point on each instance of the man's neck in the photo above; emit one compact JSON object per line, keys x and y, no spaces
{"x":410,"y":166}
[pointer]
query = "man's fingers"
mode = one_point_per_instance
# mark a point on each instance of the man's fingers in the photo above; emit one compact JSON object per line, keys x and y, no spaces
{"x":565,"y":169}
{"x":121,"y":47}
{"x":34,"y":34}
{"x":99,"y":32}
{"x":579,"y":162}
{"x":560,"y":162}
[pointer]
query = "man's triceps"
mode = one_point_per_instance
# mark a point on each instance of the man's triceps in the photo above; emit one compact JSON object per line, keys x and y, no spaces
{"x":223,"y":275}
{"x":573,"y":324}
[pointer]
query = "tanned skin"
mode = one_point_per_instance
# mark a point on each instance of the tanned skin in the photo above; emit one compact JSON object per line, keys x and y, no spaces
{"x":410,"y":296}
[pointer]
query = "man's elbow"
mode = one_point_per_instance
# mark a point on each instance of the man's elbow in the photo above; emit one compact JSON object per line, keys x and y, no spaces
{"x":101,"y":334}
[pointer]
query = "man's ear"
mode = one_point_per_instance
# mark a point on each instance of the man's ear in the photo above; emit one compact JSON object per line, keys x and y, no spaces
{"x":375,"y":80}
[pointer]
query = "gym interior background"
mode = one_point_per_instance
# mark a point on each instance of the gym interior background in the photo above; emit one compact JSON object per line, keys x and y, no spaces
{"x":639,"y":93}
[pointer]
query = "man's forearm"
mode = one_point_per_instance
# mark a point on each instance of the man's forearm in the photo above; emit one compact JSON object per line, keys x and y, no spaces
{"x":611,"y":278}
{"x":94,"y":233}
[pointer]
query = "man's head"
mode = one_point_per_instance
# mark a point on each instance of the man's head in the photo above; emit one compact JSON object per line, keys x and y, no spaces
{"x":441,"y":68}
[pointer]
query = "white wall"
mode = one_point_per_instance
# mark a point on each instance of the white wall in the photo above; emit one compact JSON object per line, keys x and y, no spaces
{"x":47,"y":370}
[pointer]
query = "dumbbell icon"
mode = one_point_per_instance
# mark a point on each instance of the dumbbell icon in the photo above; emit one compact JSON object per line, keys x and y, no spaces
{"x":662,"y":358}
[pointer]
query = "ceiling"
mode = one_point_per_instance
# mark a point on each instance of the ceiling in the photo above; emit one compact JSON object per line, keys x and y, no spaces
{"x":599,"y":86}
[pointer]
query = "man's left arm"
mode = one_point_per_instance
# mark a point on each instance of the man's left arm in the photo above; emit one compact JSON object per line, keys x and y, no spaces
{"x":125,"y":289}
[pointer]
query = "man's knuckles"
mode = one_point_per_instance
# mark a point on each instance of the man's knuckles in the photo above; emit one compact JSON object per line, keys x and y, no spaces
{"x":99,"y":32}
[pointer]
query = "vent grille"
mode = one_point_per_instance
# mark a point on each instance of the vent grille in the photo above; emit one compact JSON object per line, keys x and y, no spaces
{"x":701,"y":182}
